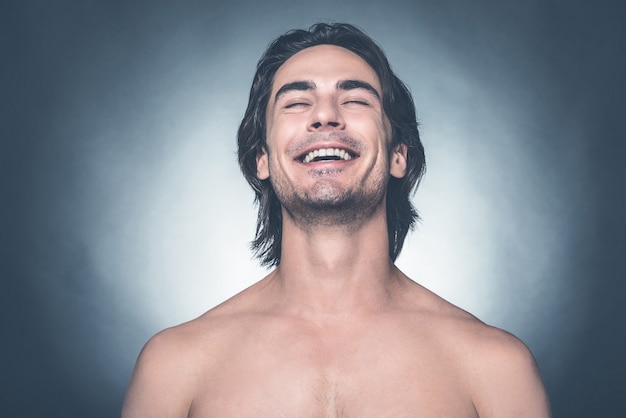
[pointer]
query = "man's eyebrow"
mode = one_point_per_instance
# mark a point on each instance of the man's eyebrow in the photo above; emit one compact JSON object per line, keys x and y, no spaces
{"x":294,"y":85}
{"x":357,"y":84}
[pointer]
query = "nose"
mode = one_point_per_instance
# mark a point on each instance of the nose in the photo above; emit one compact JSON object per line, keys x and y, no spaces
{"x":325,"y":116}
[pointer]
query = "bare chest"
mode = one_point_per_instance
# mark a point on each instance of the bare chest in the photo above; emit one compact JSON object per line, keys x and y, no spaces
{"x":341,"y":380}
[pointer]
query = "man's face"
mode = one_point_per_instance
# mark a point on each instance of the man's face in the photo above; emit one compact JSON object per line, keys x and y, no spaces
{"x":328,"y":138}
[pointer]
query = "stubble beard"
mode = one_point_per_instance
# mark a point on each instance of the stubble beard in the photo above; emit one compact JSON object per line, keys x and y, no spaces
{"x":328,"y":205}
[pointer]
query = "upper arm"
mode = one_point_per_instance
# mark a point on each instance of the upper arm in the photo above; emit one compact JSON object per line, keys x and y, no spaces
{"x":508,"y":382}
{"x":163,"y":379}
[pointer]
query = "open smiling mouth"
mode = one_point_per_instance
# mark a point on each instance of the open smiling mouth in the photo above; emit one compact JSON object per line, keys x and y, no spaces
{"x":327,"y":154}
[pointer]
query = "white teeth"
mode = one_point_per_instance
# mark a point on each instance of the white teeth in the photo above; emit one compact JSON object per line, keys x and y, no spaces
{"x":327,"y":152}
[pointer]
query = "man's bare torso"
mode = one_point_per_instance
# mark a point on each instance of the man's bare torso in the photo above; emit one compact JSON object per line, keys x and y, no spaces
{"x":275,"y":366}
{"x":420,"y":356}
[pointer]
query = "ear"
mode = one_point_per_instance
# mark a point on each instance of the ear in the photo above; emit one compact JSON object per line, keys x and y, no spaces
{"x":397,"y":164}
{"x":262,"y":164}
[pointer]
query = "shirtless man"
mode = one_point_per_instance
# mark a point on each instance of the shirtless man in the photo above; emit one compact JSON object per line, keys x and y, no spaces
{"x":330,"y":145}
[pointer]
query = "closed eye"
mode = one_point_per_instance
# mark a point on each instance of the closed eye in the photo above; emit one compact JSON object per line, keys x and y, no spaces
{"x":296,"y":104}
{"x":359,"y":102}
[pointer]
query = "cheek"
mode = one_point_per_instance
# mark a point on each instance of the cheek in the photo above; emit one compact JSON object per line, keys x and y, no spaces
{"x":372,"y":124}
{"x":280,"y":130}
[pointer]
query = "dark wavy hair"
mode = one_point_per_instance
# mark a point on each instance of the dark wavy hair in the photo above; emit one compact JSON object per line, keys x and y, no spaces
{"x":397,"y":104}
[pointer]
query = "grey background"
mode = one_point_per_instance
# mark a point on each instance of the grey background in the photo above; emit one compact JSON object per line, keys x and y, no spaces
{"x":123,"y":211}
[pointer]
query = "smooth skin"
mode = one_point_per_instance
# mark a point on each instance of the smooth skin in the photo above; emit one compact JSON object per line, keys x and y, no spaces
{"x":336,"y":330}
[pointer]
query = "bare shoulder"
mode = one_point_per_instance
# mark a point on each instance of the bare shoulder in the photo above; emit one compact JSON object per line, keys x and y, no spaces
{"x":507,"y":381}
{"x":500,"y":371}
{"x":174,"y":363}
{"x":166,"y":373}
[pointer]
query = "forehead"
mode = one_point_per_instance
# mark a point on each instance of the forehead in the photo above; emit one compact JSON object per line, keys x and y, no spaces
{"x":325,"y":63}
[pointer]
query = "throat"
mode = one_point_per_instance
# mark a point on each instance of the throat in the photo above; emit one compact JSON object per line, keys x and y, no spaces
{"x":336,"y":240}
{"x":330,"y":276}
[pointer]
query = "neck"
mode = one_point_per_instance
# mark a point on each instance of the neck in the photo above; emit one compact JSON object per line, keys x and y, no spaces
{"x":336,"y":270}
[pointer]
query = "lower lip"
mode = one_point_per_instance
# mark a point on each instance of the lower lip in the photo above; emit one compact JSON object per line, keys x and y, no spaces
{"x":326,"y":162}
{"x":326,"y":166}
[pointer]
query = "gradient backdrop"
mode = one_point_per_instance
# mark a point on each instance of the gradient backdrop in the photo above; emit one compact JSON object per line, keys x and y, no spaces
{"x":123,"y":210}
